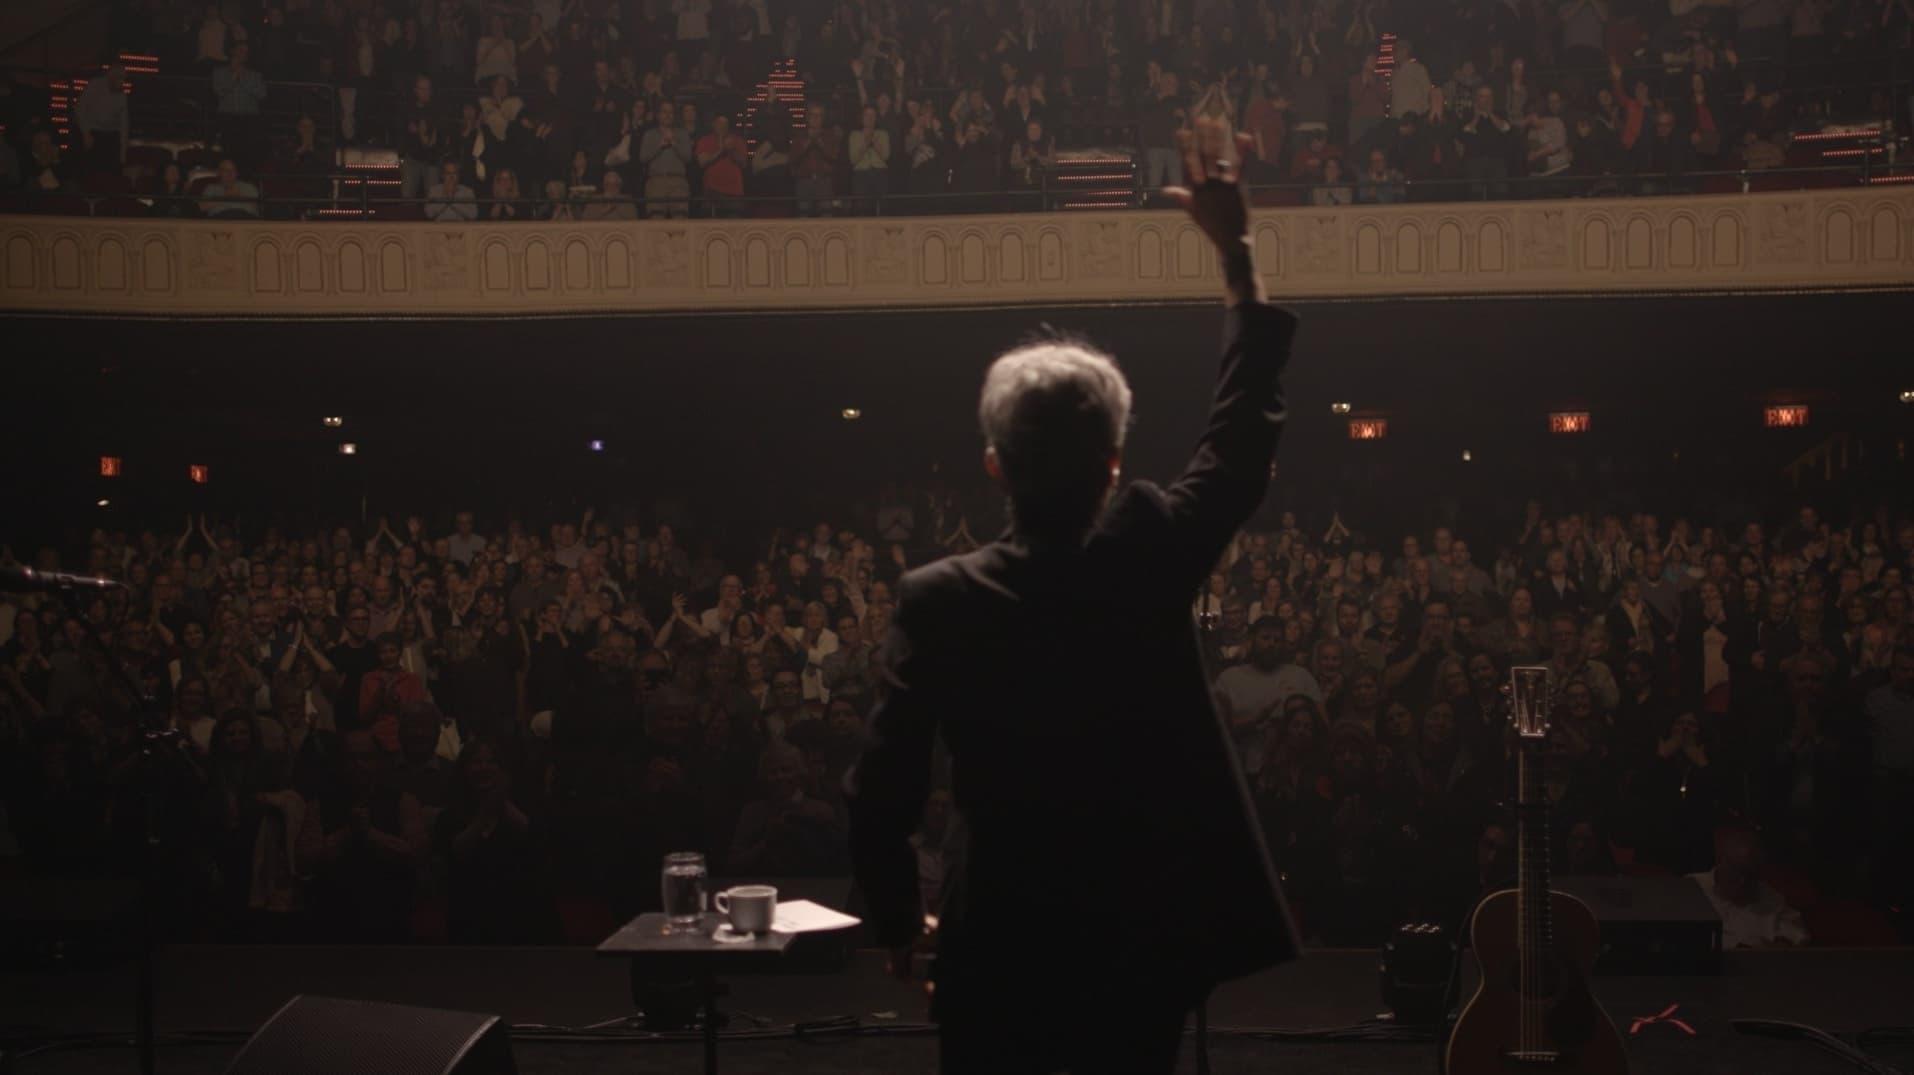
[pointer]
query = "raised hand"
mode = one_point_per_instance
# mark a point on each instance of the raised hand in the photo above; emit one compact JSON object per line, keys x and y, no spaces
{"x":1217,"y":200}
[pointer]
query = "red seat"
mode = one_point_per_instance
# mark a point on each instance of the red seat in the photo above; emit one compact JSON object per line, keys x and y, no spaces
{"x":1794,"y":885}
{"x":1849,"y":924}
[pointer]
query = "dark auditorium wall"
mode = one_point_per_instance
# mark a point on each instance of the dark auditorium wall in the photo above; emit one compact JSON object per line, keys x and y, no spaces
{"x":743,"y":411}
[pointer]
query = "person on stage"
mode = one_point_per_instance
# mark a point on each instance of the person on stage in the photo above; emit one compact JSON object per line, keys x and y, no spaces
{"x":1109,"y":870}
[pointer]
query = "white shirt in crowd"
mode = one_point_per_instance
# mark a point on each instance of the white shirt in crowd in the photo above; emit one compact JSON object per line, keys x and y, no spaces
{"x":465,"y":546}
{"x":694,"y":19}
{"x":717,"y":623}
{"x":1766,"y":920}
{"x":813,"y":675}
{"x":1251,"y":690}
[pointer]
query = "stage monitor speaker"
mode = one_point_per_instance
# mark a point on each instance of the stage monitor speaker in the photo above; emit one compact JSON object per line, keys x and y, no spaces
{"x":1650,"y":925}
{"x":329,"y":1036}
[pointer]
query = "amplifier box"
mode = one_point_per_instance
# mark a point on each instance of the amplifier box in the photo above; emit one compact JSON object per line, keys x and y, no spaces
{"x":1650,"y":925}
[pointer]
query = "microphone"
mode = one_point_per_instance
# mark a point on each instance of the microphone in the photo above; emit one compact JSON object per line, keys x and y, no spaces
{"x":17,"y":579}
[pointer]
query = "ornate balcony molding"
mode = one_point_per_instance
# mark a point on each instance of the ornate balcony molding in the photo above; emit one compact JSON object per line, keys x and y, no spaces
{"x":1847,"y":238}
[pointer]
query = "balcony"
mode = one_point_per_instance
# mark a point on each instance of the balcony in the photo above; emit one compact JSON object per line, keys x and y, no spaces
{"x":1842,"y":238}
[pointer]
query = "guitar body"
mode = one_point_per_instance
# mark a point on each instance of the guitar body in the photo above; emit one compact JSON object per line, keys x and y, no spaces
{"x":1567,"y":1032}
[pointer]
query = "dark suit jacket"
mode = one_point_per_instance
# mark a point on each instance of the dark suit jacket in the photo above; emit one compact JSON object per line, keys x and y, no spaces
{"x":1548,"y":602}
{"x":1622,"y":632}
{"x":1110,"y":841}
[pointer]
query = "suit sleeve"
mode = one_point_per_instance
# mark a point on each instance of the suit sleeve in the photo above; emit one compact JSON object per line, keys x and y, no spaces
{"x":887,"y":787}
{"x":1229,"y":473}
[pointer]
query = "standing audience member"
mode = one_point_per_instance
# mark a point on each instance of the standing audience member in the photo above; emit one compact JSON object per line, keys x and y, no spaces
{"x":451,"y":201}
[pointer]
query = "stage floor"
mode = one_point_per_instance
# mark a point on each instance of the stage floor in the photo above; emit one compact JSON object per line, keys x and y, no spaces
{"x":234,"y":989}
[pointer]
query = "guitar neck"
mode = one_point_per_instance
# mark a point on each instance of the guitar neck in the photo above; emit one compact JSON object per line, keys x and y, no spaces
{"x":1532,"y":854}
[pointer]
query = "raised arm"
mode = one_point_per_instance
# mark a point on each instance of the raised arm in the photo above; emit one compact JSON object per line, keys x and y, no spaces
{"x":1231,"y":468}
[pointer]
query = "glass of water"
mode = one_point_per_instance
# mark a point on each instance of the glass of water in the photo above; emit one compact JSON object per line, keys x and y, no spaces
{"x":684,"y":890}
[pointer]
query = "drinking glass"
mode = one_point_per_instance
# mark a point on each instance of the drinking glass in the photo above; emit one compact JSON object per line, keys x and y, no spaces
{"x":684,"y":890}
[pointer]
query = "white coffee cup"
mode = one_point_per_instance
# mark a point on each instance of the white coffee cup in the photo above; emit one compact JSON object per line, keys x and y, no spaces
{"x":751,"y":908}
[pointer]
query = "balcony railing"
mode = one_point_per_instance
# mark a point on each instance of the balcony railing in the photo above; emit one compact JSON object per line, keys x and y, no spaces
{"x":1846,"y":237}
{"x":356,"y":195}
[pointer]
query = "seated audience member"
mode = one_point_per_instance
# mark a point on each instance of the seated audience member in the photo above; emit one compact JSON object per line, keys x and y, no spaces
{"x":229,"y":195}
{"x":505,"y":203}
{"x":787,"y":832}
{"x":1379,"y":184}
{"x":167,"y":195}
{"x":450,"y":201}
{"x":612,"y":204}
{"x":556,"y":202}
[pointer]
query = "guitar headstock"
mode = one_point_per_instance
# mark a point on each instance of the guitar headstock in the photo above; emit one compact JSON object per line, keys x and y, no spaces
{"x":1529,"y":700}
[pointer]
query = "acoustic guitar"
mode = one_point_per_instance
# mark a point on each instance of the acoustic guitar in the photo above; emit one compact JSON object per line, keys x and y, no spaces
{"x":1534,"y":1011}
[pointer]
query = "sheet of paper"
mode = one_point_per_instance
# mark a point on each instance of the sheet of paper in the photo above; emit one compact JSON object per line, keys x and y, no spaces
{"x":803,"y":916}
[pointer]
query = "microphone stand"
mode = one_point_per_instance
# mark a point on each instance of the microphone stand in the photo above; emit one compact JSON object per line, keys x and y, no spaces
{"x":156,"y":740}
{"x":1206,"y":624}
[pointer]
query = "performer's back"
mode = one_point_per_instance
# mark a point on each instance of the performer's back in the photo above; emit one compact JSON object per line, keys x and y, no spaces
{"x":1109,"y":869}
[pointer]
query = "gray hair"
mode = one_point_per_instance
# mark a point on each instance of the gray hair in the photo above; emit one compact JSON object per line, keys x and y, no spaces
{"x":1055,"y":410}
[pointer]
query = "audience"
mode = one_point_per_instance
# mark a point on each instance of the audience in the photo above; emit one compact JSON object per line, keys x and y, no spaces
{"x":1462,"y":101}
{"x":469,"y":734}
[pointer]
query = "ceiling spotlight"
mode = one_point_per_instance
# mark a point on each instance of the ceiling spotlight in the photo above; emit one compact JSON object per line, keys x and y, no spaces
{"x":1907,"y":395}
{"x":348,"y":448}
{"x":1467,"y":456}
{"x":596,"y":445}
{"x":1339,"y":408}
{"x":103,"y":502}
{"x":333,"y":421}
{"x":851,"y":414}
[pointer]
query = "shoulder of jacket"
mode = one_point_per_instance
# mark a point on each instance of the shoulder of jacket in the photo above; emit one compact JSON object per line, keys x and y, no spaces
{"x":1139,"y":503}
